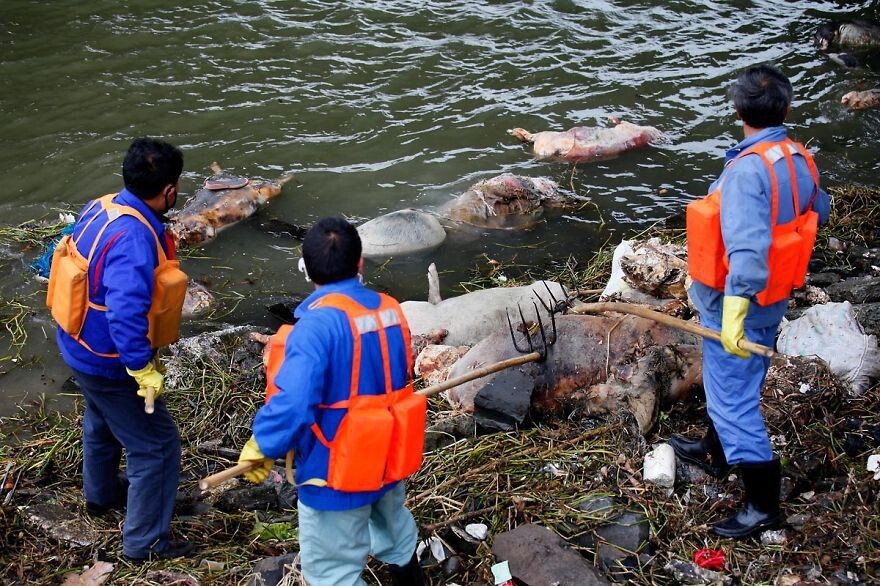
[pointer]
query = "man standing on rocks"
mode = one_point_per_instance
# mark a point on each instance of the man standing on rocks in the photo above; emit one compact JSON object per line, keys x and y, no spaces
{"x":341,"y":398}
{"x":117,"y":292}
{"x":749,"y":242}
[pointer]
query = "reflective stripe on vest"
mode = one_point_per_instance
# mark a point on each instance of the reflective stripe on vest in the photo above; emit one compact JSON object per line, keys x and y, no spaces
{"x":707,"y":257}
{"x":363,"y":321}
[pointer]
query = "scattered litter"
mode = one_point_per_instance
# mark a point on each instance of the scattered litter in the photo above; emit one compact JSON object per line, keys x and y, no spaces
{"x":690,"y":573}
{"x":805,"y":388}
{"x":710,"y":559}
{"x":832,"y":333}
{"x":777,"y":537}
{"x":212,"y":565}
{"x":659,"y":466}
{"x":874,"y":465}
{"x":435,"y":545}
{"x":477,"y":531}
{"x":778,"y":440}
{"x":552,"y":469}
{"x":501,"y":574}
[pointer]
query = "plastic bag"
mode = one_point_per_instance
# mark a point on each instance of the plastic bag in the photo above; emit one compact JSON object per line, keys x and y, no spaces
{"x":831,"y":332}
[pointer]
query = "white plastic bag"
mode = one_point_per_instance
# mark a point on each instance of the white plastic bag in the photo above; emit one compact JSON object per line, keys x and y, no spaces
{"x":831,"y":332}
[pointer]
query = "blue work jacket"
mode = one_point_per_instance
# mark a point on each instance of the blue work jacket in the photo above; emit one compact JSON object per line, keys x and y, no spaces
{"x":120,"y":278}
{"x":745,"y":225}
{"x":316,"y":371}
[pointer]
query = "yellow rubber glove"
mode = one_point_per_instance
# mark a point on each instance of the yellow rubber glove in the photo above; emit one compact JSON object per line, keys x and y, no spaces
{"x":148,"y":376}
{"x":733,"y":327}
{"x":251,"y":453}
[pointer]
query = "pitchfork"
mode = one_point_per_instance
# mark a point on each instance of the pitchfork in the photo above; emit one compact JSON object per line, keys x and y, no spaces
{"x":531,"y":351}
{"x":570,"y":303}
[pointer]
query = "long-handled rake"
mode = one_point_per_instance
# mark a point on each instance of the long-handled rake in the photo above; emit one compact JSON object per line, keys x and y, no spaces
{"x":571,"y":305}
{"x":531,"y":351}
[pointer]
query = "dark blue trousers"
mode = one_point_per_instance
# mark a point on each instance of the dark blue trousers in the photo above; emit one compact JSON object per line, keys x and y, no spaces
{"x":733,"y":396}
{"x":115,"y":420}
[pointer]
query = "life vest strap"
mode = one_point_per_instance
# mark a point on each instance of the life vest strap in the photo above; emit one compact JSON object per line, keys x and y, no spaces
{"x":770,"y":153}
{"x":113,"y":211}
{"x":363,"y":321}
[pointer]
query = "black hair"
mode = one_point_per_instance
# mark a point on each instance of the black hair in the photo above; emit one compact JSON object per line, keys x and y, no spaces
{"x":331,"y":251}
{"x":762,"y":96}
{"x":150,"y":164}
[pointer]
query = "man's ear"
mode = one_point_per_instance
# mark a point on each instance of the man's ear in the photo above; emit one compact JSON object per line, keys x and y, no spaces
{"x":361,"y":265}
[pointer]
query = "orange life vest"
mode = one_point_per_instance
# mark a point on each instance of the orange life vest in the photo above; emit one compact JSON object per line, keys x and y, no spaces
{"x":68,"y":294}
{"x":273,"y":358}
{"x":791,"y":244}
{"x":381,"y":437}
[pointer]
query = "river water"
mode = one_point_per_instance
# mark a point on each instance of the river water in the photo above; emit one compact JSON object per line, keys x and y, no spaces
{"x":377,"y":106}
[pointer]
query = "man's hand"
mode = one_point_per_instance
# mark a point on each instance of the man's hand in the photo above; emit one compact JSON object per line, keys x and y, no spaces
{"x":251,"y":453}
{"x":147,"y":377}
{"x":733,"y":319}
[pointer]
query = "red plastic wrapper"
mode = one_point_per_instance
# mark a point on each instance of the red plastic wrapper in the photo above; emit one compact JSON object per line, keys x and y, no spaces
{"x":710,"y":559}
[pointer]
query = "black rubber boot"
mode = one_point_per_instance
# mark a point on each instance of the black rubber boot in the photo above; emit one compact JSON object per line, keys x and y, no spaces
{"x":706,"y":452}
{"x":175,"y":549}
{"x":118,"y":504}
{"x":760,"y":509}
{"x":409,"y":575}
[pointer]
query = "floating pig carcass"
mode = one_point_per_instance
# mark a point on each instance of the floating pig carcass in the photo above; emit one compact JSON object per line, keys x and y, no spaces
{"x":861,"y":100}
{"x":223,"y":201}
{"x":586,"y":143}
{"x":851,"y":33}
{"x":505,"y":202}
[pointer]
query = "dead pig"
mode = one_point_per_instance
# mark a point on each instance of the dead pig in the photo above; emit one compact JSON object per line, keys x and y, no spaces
{"x":585,"y":143}
{"x":861,"y":100}
{"x":505,"y":202}
{"x":597,"y":365}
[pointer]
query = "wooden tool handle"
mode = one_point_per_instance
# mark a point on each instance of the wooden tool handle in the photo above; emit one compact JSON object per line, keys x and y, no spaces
{"x":237,"y":470}
{"x":478,"y":373}
{"x":668,"y":320}
{"x":150,"y":401}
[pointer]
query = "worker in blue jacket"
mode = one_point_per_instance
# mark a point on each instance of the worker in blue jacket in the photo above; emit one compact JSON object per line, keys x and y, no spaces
{"x":733,"y":379}
{"x":113,"y":360}
{"x":337,"y":529}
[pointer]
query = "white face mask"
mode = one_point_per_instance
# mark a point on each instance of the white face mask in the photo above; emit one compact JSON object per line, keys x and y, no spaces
{"x":302,"y":268}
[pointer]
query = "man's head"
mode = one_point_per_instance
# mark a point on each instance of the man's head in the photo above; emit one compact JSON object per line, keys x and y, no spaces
{"x":151,"y":171}
{"x":762,"y":96}
{"x":332,"y":251}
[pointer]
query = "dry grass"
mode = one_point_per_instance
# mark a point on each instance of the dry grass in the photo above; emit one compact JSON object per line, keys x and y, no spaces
{"x":855,"y":214}
{"x":503,"y":479}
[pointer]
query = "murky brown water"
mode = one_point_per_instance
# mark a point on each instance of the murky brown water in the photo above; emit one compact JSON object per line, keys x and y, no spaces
{"x":379,"y":106}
